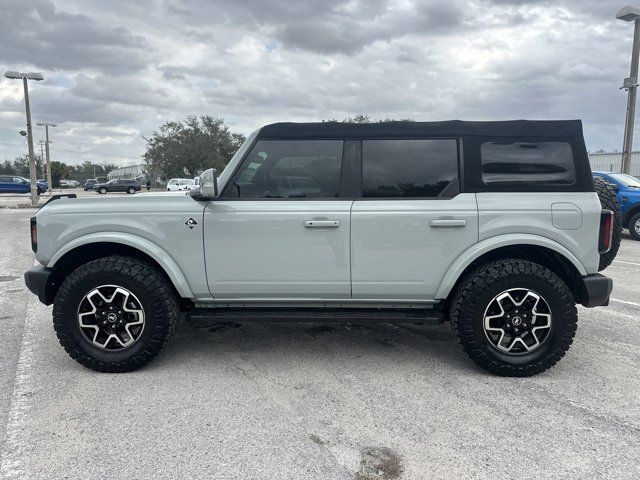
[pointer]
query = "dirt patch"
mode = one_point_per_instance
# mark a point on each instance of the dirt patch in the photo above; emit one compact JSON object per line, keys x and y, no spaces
{"x":379,"y":463}
{"x":7,"y":278}
{"x":316,"y":439}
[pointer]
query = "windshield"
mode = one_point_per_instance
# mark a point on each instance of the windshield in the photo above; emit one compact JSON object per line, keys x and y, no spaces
{"x":626,"y":180}
{"x":226,"y":173}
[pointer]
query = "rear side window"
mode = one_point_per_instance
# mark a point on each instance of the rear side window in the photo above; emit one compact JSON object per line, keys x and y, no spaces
{"x":410,"y":168}
{"x":540,"y":163}
{"x":289,"y":169}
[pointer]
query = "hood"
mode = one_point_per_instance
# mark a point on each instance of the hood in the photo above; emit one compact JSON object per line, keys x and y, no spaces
{"x":113,"y":205}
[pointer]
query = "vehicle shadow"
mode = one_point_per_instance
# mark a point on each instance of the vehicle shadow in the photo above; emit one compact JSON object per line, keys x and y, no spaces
{"x":433,"y":346}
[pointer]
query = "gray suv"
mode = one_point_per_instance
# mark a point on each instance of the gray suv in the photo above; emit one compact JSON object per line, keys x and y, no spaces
{"x":493,"y":226}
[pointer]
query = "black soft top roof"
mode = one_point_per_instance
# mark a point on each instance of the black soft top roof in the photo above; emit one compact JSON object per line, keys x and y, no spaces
{"x":454,"y":128}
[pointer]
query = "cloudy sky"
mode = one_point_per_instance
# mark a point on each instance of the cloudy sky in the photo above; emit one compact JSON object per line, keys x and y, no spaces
{"x":115,"y":70}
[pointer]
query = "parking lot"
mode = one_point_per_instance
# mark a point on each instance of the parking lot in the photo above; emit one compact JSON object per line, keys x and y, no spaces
{"x":321,"y":401}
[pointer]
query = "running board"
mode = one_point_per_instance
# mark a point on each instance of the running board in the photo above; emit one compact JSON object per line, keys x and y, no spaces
{"x":208,"y":316}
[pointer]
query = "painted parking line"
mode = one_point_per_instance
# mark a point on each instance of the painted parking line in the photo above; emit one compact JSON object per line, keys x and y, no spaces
{"x":627,"y":263}
{"x":626,"y":302}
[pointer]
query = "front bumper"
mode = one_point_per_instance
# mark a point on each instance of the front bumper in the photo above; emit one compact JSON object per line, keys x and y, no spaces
{"x":598,"y":290}
{"x":38,"y":281}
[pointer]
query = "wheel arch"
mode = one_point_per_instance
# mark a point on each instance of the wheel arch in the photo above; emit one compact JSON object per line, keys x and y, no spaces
{"x":629,"y":214}
{"x":541,"y":250}
{"x":89,"y":247}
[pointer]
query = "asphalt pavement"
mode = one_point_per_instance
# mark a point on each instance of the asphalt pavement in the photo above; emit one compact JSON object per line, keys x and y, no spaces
{"x":317,"y":401}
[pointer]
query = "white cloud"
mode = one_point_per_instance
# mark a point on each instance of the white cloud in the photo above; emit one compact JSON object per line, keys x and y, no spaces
{"x":116,"y":70}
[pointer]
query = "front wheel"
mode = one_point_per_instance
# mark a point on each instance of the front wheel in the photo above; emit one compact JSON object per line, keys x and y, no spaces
{"x":115,"y":314}
{"x":634,"y":226}
{"x":514,"y":317}
{"x":103,"y":190}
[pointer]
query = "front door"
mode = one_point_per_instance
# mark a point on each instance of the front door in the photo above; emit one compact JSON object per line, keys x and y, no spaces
{"x":279,"y":229}
{"x":411,"y":222}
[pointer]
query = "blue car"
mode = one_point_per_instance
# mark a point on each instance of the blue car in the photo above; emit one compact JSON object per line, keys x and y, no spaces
{"x":628,"y":189}
{"x":16,"y":184}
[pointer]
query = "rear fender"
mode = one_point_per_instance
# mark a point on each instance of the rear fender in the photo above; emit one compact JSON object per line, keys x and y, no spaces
{"x":457,"y":268}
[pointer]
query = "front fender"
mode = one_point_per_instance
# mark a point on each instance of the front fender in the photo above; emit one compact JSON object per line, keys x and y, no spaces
{"x":165,"y":261}
{"x":458,"y":267}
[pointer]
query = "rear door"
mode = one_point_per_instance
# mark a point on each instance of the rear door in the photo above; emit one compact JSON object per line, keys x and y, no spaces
{"x":6,"y":184}
{"x":412,"y":221}
{"x":280,"y":230}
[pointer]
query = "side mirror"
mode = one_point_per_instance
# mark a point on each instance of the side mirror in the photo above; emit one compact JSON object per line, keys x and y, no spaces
{"x":208,"y":189}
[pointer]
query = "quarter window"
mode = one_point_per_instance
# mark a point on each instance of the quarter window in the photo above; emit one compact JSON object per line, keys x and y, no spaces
{"x":410,"y":168}
{"x":289,"y":169}
{"x":507,"y":163}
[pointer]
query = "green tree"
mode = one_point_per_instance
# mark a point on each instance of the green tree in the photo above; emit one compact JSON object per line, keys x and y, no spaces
{"x":59,"y":171}
{"x":6,"y":168}
{"x":185,"y":149}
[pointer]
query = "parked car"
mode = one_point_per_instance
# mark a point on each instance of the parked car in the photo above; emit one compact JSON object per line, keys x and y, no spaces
{"x":16,"y":184}
{"x":627,"y":188}
{"x":69,"y":183}
{"x":180,"y":184}
{"x":89,"y":184}
{"x":494,"y":226}
{"x":43,"y":182}
{"x":118,"y":185}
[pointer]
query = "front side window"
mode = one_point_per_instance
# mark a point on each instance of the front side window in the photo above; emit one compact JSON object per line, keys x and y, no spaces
{"x":289,"y":169}
{"x":508,"y":163}
{"x":409,"y":168}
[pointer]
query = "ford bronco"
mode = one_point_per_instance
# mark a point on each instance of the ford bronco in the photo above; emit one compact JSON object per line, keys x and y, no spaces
{"x":494,"y":226}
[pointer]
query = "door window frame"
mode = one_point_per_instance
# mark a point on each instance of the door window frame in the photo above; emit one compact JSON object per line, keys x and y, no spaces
{"x":460,"y":166}
{"x":346,"y":159}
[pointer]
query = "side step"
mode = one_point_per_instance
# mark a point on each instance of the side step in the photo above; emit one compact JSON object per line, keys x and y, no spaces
{"x":208,"y":316}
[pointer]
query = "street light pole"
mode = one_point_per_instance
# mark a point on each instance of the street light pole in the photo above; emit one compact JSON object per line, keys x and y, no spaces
{"x":46,"y":126}
{"x":42,"y":142}
{"x":32,"y":157}
{"x":630,"y":14}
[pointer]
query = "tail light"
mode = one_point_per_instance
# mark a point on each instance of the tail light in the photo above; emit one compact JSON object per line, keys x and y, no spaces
{"x":606,"y":231}
{"x":34,"y":234}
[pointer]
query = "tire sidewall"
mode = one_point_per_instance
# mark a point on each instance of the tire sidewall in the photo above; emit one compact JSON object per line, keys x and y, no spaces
{"x":632,"y":226}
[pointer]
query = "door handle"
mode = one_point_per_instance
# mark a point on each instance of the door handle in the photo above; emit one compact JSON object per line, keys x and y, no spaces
{"x":447,"y":223}
{"x":321,"y":223}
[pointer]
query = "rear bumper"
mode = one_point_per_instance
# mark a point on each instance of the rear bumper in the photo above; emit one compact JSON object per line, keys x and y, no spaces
{"x":598,"y":290}
{"x":38,"y":281}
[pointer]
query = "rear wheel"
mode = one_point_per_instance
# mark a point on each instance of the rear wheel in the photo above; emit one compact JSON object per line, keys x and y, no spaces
{"x":514,"y":317}
{"x":609,"y":200}
{"x":131,"y":190}
{"x":634,"y":226}
{"x":115,"y":314}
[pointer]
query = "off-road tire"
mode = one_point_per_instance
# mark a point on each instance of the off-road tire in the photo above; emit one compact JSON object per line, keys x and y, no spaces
{"x":478,"y":289}
{"x":609,"y":201}
{"x":632,"y":226}
{"x":156,"y":296}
